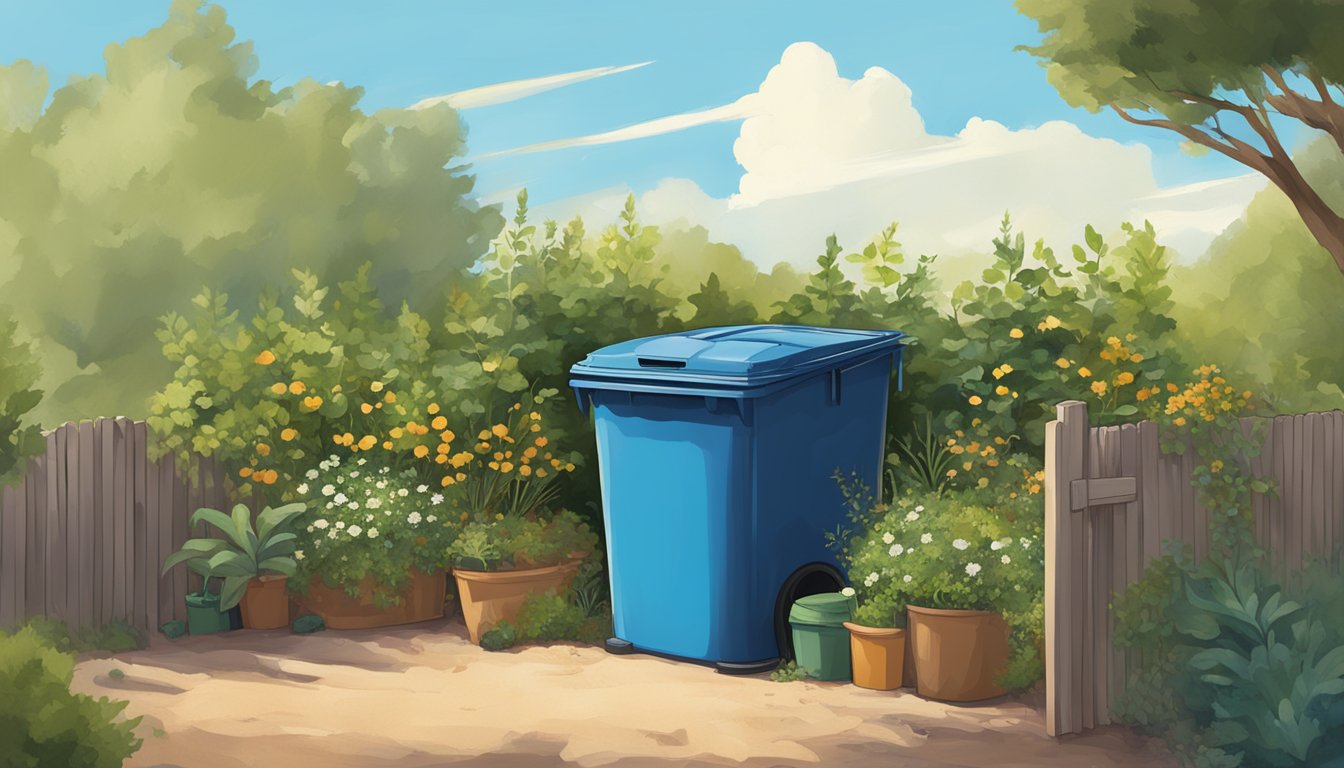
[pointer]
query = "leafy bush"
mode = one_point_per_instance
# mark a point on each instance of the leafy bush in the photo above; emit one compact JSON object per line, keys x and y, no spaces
{"x":789,"y":672}
{"x":42,"y":722}
{"x":114,"y":636}
{"x":500,"y":637}
{"x":958,"y":551}
{"x":549,"y":617}
{"x":19,"y":371}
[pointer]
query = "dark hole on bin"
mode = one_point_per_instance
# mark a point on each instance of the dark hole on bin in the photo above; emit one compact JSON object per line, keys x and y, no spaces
{"x":653,"y":362}
{"x":811,"y":579}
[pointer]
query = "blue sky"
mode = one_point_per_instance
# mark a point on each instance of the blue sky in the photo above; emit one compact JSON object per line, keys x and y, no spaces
{"x":956,"y":56}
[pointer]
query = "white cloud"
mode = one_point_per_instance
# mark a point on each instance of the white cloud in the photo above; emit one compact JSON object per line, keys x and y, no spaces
{"x":821,"y":153}
{"x":661,"y":125}
{"x":500,"y":93}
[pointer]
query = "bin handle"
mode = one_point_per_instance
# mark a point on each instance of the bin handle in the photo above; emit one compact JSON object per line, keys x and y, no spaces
{"x":657,"y":362}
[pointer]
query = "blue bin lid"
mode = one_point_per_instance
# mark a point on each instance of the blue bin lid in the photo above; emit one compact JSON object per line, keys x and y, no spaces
{"x":743,"y":356}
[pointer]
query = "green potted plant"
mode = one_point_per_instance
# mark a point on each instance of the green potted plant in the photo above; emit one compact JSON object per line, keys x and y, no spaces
{"x":253,"y":565}
{"x":966,"y":569}
{"x":876,"y":646}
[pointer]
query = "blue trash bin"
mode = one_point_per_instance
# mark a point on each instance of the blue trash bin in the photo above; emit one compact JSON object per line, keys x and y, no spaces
{"x":717,"y":450}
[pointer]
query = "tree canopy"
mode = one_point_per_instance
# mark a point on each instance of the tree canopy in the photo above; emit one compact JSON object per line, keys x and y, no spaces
{"x":178,"y":169}
{"x":1218,"y":72}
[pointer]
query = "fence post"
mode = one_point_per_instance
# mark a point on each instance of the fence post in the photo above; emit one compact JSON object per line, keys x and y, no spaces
{"x":1065,"y":461}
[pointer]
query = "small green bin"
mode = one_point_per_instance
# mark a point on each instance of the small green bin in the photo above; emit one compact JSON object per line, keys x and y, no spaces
{"x":205,"y":618}
{"x":820,"y":640}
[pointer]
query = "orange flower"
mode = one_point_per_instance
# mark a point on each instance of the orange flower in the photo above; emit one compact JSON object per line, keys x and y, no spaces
{"x":499,"y":430}
{"x":263,"y":449}
{"x":1085,"y":372}
{"x":1142,"y":394}
{"x":432,"y":409}
{"x":366,"y":442}
{"x":1001,"y":390}
{"x":278,"y":388}
{"x":245,"y":472}
{"x":1125,"y":377}
{"x":313,"y":402}
{"x":1062,"y":363}
{"x":421,"y":451}
{"x":541,"y":442}
{"x":1099,"y":387}
{"x":288,"y":433}
{"x":387,"y":445}
{"x":439,"y":422}
{"x":535,"y":428}
{"x":975,"y":400}
{"x":297,"y":388}
{"x":376,"y":386}
{"x":1016,"y":333}
{"x":390,"y":397}
{"x":395,"y":433}
{"x":447,"y":436}
{"x":265,"y":358}
{"x":365,"y":408}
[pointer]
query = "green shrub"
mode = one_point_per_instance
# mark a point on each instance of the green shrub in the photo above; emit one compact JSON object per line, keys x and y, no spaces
{"x":500,"y":637}
{"x":550,"y":617}
{"x":43,"y":723}
{"x":114,"y":636}
{"x":788,"y":672}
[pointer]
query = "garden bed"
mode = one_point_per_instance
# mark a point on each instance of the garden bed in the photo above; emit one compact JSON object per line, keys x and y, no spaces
{"x":422,"y":695}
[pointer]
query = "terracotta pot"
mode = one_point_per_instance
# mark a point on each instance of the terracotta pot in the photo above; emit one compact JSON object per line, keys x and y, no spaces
{"x":265,"y":604}
{"x":421,"y":600}
{"x":489,"y":597}
{"x":877,"y":656}
{"x":958,"y":654}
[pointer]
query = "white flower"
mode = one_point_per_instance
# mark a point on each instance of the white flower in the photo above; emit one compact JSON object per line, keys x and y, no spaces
{"x":298,"y":554}
{"x":354,"y":505}
{"x":362,"y":461}
{"x":919,"y":508}
{"x":847,"y":592}
{"x":330,"y":505}
{"x":926,"y":538}
{"x":335,"y":460}
{"x":328,"y":489}
{"x":355,"y":473}
{"x":340,"y":498}
{"x":1005,"y":559}
{"x":888,"y":537}
{"x":403,"y":492}
{"x":331,"y":534}
{"x":431,"y":518}
{"x":355,"y":530}
{"x":311,"y":474}
{"x":911,"y":517}
{"x":321,"y":523}
{"x":910,"y":551}
{"x":870,"y":579}
{"x":436,"y":499}
{"x":384,"y":471}
{"x":373,"y":533}
{"x":896,"y":550}
{"x":368,"y":518}
{"x":302,"y":489}
{"x":375,"y":503}
{"x":421,"y":488}
{"x":414,"y":518}
{"x":907,"y":578}
{"x":310,"y":529}
{"x":996,"y":545}
{"x":381,"y":484}
{"x":340,"y":479}
{"x":972,"y":569}
{"x":324,"y":466}
{"x":1026,"y":543}
{"x":961,"y":544}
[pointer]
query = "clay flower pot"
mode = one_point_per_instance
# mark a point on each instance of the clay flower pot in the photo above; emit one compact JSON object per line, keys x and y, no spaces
{"x":877,"y":655}
{"x":958,"y":654}
{"x":489,"y":597}
{"x":421,"y":600}
{"x":265,"y":604}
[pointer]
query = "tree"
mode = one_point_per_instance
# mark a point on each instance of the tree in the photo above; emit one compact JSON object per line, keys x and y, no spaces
{"x":1218,"y":72}
{"x":178,"y":168}
{"x":19,"y":371}
{"x":714,"y":306}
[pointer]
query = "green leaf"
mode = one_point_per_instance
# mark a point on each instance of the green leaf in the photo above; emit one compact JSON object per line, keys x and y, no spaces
{"x":272,"y":519}
{"x":223,"y":523}
{"x":285,"y":565}
{"x":194,"y":549}
{"x":232,"y":592}
{"x":1093,"y":239}
{"x":231,"y":563}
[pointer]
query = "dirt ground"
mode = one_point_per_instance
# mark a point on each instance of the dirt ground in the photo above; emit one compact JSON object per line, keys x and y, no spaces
{"x":424,"y":696}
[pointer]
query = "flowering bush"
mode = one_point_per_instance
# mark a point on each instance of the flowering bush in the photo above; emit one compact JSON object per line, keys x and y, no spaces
{"x":958,"y":551}
{"x":368,"y":519}
{"x":523,"y":541}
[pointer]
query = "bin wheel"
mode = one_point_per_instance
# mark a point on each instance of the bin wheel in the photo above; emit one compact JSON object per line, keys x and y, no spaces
{"x":746,"y":667}
{"x":618,"y":646}
{"x":810,"y":579}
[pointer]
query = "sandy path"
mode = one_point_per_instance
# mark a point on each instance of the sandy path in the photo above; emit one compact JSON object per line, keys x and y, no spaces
{"x":423,"y":696}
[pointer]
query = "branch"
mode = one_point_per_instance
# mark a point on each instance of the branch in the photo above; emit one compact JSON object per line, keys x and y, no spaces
{"x":1324,"y":115}
{"x":1246,"y":155}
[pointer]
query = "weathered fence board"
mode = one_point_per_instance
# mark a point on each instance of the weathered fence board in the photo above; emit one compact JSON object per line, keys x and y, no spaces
{"x":1099,"y":538}
{"x":84,"y":533}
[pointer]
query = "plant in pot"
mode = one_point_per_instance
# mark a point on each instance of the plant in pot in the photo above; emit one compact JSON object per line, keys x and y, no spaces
{"x":876,"y":646}
{"x":513,"y":545}
{"x":253,"y":565}
{"x":966,"y":568}
{"x":373,"y":550}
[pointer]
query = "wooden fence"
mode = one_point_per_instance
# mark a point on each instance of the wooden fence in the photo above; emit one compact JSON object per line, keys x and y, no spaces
{"x":1112,"y":498}
{"x":84,"y":535}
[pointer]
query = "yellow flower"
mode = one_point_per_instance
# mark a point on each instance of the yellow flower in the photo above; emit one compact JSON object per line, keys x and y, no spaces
{"x":366,"y":442}
{"x":447,"y":481}
{"x":489,"y":366}
{"x":1142,"y":394}
{"x":1113,"y":341}
{"x":421,"y":451}
{"x":265,"y":358}
{"x":1216,"y":466}
{"x":506,"y":467}
{"x":1099,"y":387}
{"x":447,"y":436}
{"x":387,"y":445}
{"x":288,"y":433}
{"x":499,"y":430}
{"x":439,"y":422}
{"x":493,"y":465}
{"x":461,"y":476}
{"x":390,"y":397}
{"x":1034,"y":488}
{"x":534,"y":428}
{"x":245,"y":472}
{"x":1051,"y":321}
{"x":1016,"y":333}
{"x":1179,"y":421}
{"x":1130,"y":337}
{"x":530,"y":452}
{"x":974,"y":400}
{"x":534,"y":416}
{"x":376,"y":386}
{"x":525,"y":470}
{"x":484,"y":435}
{"x":297,"y":388}
{"x":278,"y":388}
{"x":313,"y":402}
{"x":1000,"y":390}
{"x":1085,"y":372}
{"x":396,"y":433}
{"x":982,"y":482}
{"x":1007,"y":368}
{"x":541,"y":472}
{"x":499,"y":456}
{"x":432,"y":409}
{"x":365,"y":408}
{"x":998,"y":372}
{"x":1136,"y":358}
{"x":569,"y":467}
{"x":1125,"y":377}
{"x":966,"y":465}
{"x":263,"y":449}
{"x":440,"y":459}
{"x":1062,"y":363}
{"x":951,"y":473}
